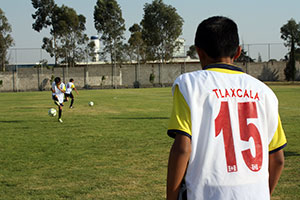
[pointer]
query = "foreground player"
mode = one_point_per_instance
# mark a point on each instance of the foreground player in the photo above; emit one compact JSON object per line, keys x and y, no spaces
{"x":228,"y":135}
{"x":68,"y":94}
{"x":58,"y":97}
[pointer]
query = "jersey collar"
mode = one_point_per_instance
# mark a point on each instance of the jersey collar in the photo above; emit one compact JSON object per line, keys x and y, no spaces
{"x":223,"y":67}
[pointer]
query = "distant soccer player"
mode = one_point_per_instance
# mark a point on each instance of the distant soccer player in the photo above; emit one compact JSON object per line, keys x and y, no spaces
{"x":228,"y":134}
{"x":68,"y":94}
{"x":53,"y":93}
{"x":58,"y":97}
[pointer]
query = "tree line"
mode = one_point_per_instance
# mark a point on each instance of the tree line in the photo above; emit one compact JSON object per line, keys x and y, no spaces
{"x":154,"y":38}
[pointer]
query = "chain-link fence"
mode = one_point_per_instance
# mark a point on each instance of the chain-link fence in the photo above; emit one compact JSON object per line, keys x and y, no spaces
{"x":266,"y":51}
{"x":22,"y":56}
{"x":258,"y":52}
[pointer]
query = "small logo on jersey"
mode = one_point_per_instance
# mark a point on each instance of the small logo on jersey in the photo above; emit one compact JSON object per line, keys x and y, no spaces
{"x":232,"y":168}
{"x":240,"y":93}
{"x":255,"y":167}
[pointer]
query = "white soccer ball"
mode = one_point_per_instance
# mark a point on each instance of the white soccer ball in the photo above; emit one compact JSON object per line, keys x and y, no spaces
{"x":52,"y":112}
{"x":91,"y":103}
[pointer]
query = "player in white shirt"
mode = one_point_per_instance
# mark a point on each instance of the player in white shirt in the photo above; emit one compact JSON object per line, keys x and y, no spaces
{"x":58,"y":90}
{"x":68,"y":94}
{"x":228,"y":135}
{"x":53,"y":93}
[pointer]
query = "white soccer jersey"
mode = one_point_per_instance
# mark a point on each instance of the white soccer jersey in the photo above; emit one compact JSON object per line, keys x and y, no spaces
{"x":60,"y":94}
{"x":53,"y":87}
{"x":231,"y":119}
{"x":69,"y":87}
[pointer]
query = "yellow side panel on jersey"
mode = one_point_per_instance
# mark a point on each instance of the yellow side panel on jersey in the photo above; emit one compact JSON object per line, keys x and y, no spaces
{"x":180,"y":121}
{"x":279,"y":139}
{"x":73,"y":86}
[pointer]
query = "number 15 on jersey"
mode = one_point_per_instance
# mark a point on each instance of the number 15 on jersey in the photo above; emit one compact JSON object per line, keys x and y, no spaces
{"x":246,"y":110}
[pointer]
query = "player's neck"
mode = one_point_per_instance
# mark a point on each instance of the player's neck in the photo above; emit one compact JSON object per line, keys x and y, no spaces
{"x":226,"y":60}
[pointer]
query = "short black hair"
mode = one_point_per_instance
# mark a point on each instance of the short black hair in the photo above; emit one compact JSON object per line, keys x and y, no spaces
{"x":71,"y":80}
{"x":57,"y":80}
{"x":218,"y":37}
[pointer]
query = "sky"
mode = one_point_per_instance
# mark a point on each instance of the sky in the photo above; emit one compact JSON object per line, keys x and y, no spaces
{"x":259,"y":22}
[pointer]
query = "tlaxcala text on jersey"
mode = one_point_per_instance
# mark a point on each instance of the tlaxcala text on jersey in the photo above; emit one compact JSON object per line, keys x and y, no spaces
{"x":233,"y":92}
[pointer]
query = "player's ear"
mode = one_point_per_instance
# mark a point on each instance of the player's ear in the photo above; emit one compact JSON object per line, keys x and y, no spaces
{"x":201,"y":53}
{"x":203,"y":57}
{"x":237,"y":53}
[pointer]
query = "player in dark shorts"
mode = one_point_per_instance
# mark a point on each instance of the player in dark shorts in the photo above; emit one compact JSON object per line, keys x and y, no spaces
{"x":68,"y":94}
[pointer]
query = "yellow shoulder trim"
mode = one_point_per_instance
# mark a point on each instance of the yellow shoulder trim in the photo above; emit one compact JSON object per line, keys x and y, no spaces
{"x":279,"y":138}
{"x":181,"y":116}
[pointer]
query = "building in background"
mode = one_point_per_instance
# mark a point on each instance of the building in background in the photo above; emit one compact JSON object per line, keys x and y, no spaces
{"x":96,"y":41}
{"x":180,"y":51}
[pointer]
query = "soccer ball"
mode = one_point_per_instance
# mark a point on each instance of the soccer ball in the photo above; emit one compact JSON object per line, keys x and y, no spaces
{"x":91,"y":103}
{"x":52,"y":112}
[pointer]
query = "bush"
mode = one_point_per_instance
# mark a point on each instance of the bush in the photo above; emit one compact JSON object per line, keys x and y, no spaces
{"x":268,"y":75}
{"x":151,"y":78}
{"x":51,"y":79}
{"x":136,"y":84}
{"x":297,"y":75}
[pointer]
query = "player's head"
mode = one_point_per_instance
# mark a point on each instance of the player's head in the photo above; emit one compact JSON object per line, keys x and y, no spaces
{"x":57,"y":80}
{"x":218,"y":37}
{"x":71,"y":80}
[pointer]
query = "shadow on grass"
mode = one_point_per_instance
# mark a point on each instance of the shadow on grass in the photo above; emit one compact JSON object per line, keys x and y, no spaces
{"x":139,"y":118}
{"x":290,"y":153}
{"x":8,"y":122}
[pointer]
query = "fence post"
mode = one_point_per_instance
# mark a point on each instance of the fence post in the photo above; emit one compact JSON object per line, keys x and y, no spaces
{"x":135,"y":73}
{"x":13,"y":80}
{"x":63,"y":70}
{"x":38,"y":77}
{"x":159,"y":74}
{"x":86,"y":75}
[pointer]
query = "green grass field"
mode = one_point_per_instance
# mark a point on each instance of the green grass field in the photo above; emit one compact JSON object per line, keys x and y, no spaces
{"x":117,"y":149}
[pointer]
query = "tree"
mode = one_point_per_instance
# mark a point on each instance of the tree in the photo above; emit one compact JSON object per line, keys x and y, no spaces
{"x":110,"y":24}
{"x":192,"y":52}
{"x":136,"y":43}
{"x":259,"y":59}
{"x":290,"y":69}
{"x":43,"y":13}
{"x":161,"y":27}
{"x":69,"y":28}
{"x":244,"y":58}
{"x":67,"y":43}
{"x":297,"y":54}
{"x":43,"y":17}
{"x":290,"y":33}
{"x":6,"y":40}
{"x":90,"y":51}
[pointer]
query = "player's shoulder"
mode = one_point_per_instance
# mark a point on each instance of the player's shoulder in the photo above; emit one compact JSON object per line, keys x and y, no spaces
{"x":190,"y":75}
{"x":259,"y":83}
{"x":262,"y":87}
{"x":188,"y":80}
